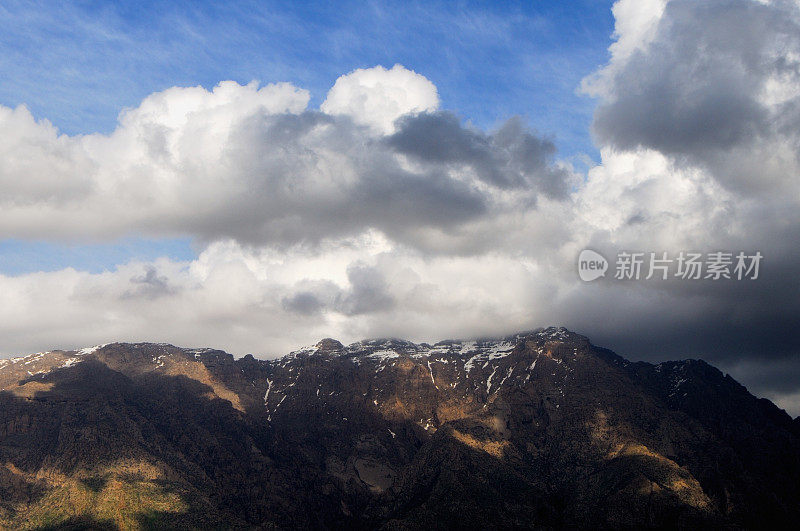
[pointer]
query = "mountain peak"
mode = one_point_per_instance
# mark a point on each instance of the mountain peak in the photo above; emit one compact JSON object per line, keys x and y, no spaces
{"x":328,"y":345}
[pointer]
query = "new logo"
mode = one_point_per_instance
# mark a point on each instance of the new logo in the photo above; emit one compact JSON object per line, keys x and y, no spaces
{"x":591,"y":265}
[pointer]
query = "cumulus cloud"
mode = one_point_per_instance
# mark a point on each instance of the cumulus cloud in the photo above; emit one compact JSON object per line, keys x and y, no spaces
{"x":376,"y":97}
{"x":712,"y":82}
{"x":256,"y":165}
{"x":39,"y":166}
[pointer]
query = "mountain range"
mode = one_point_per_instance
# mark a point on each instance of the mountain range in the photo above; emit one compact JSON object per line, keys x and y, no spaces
{"x":536,"y":430}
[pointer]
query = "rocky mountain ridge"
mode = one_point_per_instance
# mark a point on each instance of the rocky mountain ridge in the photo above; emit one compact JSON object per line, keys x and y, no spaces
{"x":537,"y":430}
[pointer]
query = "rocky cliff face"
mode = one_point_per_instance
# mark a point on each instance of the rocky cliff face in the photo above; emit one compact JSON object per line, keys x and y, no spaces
{"x":541,"y":429}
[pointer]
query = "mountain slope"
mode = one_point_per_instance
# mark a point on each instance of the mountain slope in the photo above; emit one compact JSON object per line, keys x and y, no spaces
{"x":540,"y":429}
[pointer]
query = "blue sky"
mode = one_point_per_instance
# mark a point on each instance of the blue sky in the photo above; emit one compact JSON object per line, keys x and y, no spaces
{"x":78,"y":64}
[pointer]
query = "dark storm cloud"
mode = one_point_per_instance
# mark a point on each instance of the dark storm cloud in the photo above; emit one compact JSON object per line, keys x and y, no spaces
{"x":776,"y":377}
{"x":746,"y":327}
{"x":715,"y":90}
{"x":696,"y":92}
{"x":510,"y":158}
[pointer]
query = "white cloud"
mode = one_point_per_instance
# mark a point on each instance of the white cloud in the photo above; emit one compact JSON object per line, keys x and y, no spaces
{"x":232,"y":297}
{"x":37,"y":165}
{"x":635,"y":22}
{"x":254,"y":164}
{"x":376,"y":97}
